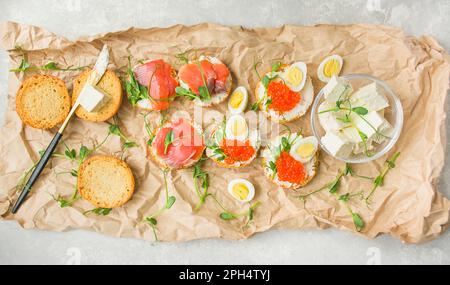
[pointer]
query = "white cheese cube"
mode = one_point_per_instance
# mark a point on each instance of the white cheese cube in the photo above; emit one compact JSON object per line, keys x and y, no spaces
{"x":371,"y":123}
{"x":91,"y":98}
{"x":337,"y":89}
{"x":329,"y":120}
{"x":353,"y":135}
{"x":337,"y":144}
{"x":385,"y":130}
{"x":370,"y":97}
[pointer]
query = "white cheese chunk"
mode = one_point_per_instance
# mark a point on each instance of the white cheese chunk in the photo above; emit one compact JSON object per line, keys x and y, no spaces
{"x":337,"y":89}
{"x":91,"y":98}
{"x":369,"y":97}
{"x":329,"y":120}
{"x":352,"y":135}
{"x":337,"y":144}
{"x":371,"y":123}
{"x":385,"y":131}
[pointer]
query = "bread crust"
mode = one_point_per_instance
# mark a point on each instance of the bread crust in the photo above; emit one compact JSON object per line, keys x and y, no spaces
{"x":278,"y":119}
{"x":31,"y":83}
{"x":174,"y":76}
{"x":87,"y":193}
{"x":151,"y":152}
{"x":227,"y":92}
{"x":294,"y":186}
{"x":110,"y":84}
{"x":232,"y":166}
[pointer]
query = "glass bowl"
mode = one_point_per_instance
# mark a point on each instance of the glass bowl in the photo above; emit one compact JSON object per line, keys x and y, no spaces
{"x":393,"y":114}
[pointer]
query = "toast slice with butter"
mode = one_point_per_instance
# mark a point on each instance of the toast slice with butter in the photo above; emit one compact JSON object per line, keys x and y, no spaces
{"x":110,"y":85}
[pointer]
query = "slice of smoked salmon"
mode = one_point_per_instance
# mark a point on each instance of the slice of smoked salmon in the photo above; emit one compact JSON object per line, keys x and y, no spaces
{"x":222,"y":73}
{"x":186,"y":146}
{"x":215,"y":76}
{"x":158,"y":77}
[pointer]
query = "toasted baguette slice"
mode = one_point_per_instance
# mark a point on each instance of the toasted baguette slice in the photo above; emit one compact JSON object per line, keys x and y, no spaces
{"x":216,"y":98}
{"x":43,"y":101}
{"x":310,"y":167}
{"x":105,"y":181}
{"x":254,"y":142}
{"x":306,"y":94}
{"x":110,"y":85}
{"x":152,"y":152}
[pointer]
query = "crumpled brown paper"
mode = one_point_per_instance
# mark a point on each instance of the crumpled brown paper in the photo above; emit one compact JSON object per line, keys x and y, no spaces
{"x":407,"y":206}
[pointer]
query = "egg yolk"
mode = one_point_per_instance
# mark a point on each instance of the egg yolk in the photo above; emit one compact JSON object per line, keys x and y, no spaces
{"x":289,"y":169}
{"x":238,"y":128}
{"x":295,"y":76}
{"x":331,"y":68}
{"x":240,"y":191}
{"x":283,"y":98}
{"x":236,"y":99}
{"x":305,"y":150}
{"x":237,"y":151}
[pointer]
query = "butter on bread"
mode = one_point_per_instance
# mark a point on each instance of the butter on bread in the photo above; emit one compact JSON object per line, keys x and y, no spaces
{"x":110,"y":85}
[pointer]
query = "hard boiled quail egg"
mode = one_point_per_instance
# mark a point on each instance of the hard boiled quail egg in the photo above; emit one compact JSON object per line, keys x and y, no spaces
{"x":238,"y":100}
{"x":304,"y":149}
{"x":329,"y":67}
{"x":295,"y":76}
{"x":236,"y":128}
{"x":241,"y":189}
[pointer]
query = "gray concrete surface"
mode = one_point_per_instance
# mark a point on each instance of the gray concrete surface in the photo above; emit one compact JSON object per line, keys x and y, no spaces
{"x":74,"y":18}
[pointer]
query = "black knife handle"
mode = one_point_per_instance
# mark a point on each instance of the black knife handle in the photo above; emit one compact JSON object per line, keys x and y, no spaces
{"x":37,"y":171}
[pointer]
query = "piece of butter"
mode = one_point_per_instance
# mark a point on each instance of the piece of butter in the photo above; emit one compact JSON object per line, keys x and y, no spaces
{"x":370,"y":97}
{"x":92,"y":98}
{"x":337,"y":89}
{"x":337,"y":144}
{"x":372,"y":123}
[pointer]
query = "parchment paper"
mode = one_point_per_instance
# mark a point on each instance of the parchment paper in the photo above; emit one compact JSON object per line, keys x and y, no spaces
{"x":408,"y":206}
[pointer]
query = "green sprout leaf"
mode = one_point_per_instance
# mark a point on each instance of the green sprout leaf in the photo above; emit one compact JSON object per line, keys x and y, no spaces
{"x":130,"y":144}
{"x":360,"y":110}
{"x":51,"y":65}
{"x":170,"y":201}
{"x":334,"y":186}
{"x":99,"y":211}
{"x":204,"y":93}
{"x":344,"y":197}
{"x":226,"y":216}
{"x":24,"y":66}
{"x":170,"y":136}
{"x":70,"y":154}
{"x":183,"y":92}
{"x":115,"y":130}
{"x":151,"y":221}
{"x":276,"y":66}
{"x":254,"y":106}
{"x":83,"y":153}
{"x":358,"y":221}
{"x":265,"y":81}
{"x":286,"y":146}
{"x":378,"y":181}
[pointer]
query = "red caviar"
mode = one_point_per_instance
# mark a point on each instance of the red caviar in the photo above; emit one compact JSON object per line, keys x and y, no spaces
{"x":289,"y":169}
{"x":283,"y":98}
{"x":237,"y":151}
